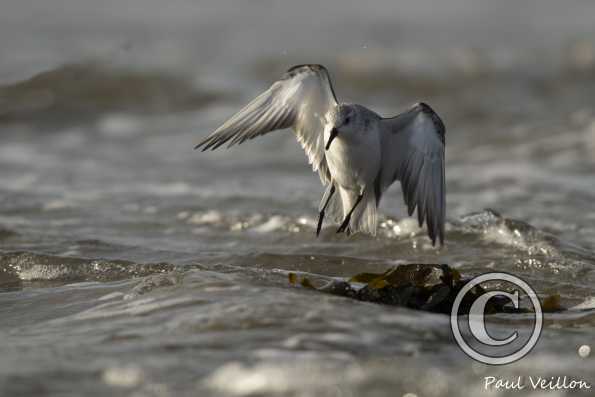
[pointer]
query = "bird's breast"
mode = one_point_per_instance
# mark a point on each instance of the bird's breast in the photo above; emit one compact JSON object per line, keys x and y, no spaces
{"x":353,"y":163}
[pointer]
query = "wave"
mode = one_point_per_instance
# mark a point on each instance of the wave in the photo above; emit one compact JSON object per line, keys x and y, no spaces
{"x":87,"y":90}
{"x":7,"y":233}
{"x":486,"y":226}
{"x":19,"y":267}
{"x":505,"y":243}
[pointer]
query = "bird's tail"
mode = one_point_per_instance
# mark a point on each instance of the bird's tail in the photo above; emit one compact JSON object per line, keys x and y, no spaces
{"x":363,"y":218}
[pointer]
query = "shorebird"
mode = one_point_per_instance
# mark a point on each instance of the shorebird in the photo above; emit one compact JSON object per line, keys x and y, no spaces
{"x":356,"y":152}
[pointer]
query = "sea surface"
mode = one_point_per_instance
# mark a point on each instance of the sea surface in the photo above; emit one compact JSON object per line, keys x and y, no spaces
{"x":131,"y":265}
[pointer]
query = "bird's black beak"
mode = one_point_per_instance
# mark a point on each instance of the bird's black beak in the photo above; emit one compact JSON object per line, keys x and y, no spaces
{"x":334,"y":133}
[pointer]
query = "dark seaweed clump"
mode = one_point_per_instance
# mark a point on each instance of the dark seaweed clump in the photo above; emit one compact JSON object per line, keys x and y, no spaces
{"x":430,"y":288}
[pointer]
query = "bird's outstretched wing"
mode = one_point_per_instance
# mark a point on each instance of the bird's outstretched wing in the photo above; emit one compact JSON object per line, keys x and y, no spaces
{"x":299,"y":100}
{"x":413,"y":153}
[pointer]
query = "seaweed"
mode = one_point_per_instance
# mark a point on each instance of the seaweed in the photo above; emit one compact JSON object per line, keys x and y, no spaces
{"x":552,"y":304}
{"x":424,"y":287}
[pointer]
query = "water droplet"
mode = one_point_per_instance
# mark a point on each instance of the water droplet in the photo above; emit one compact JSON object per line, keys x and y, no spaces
{"x":584,"y":351}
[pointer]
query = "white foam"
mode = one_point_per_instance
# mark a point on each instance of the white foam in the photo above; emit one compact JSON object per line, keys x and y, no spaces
{"x":44,"y":272}
{"x":274,"y":223}
{"x":125,"y":377}
{"x":502,"y":235}
{"x":203,"y":218}
{"x":279,"y":378}
{"x":588,"y":303}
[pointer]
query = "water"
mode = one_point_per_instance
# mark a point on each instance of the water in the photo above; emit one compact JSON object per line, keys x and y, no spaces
{"x":132,"y":265}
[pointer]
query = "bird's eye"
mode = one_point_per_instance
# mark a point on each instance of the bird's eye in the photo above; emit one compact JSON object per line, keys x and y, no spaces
{"x":347,"y":120}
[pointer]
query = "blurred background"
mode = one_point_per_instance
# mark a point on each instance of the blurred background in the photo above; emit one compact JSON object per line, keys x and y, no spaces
{"x":132,"y":265}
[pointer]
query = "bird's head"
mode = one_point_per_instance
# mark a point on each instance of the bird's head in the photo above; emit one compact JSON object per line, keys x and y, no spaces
{"x":342,"y":121}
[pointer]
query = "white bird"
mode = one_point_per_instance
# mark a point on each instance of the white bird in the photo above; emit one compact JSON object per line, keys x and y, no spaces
{"x":356,"y":152}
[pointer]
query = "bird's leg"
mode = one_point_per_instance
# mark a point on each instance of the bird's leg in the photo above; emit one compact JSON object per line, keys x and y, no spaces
{"x":321,"y":215}
{"x":345,"y":223}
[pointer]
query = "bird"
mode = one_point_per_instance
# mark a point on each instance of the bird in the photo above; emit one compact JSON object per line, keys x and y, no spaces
{"x":357,"y":153}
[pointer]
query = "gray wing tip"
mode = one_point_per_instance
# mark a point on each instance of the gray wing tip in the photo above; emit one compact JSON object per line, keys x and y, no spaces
{"x":208,"y":143}
{"x":435,"y":228}
{"x":204,"y":144}
{"x":437,"y":235}
{"x":312,"y":66}
{"x":438,"y":123}
{"x":297,"y":69}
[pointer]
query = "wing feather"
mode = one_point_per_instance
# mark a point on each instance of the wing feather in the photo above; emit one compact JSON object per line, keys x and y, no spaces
{"x":300,"y":100}
{"x":413,"y":153}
